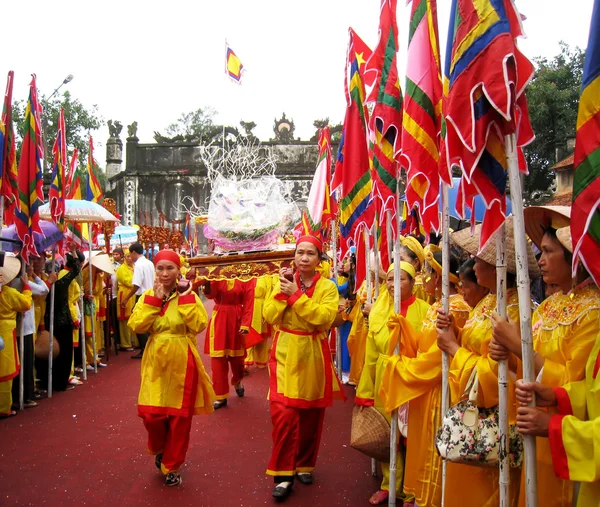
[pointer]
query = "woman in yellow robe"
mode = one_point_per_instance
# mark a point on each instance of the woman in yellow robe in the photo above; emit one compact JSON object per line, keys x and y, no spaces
{"x":413,"y":252}
{"x":303,"y":382}
{"x":174,"y":384}
{"x":377,"y":355}
{"x":469,"y":349}
{"x":573,"y":430}
{"x":88,"y":300}
{"x":124,"y":284}
{"x":11,"y":302}
{"x":418,"y":381}
{"x":565,"y":326}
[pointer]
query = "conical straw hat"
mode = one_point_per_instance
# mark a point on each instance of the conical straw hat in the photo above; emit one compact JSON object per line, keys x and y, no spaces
{"x":103,"y":263}
{"x":564,"y":236}
{"x":538,"y":218}
{"x":370,"y":433}
{"x":10,"y":270}
{"x":471,"y":244}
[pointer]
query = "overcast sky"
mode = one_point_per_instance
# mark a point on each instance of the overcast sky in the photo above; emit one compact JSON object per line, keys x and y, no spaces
{"x":151,"y":61}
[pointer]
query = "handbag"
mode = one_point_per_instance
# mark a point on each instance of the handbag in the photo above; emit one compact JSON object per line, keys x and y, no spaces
{"x":370,"y":433}
{"x":471,"y":435}
{"x":42,"y":346}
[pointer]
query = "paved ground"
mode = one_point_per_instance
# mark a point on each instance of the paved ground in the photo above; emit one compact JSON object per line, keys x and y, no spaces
{"x":87,"y":447}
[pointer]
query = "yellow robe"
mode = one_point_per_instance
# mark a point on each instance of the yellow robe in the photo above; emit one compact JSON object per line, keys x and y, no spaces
{"x":301,"y":371}
{"x":11,"y":302}
{"x":124,"y":276}
{"x":259,"y":353}
{"x":173,"y":331}
{"x":575,"y":434}
{"x":419,"y":290}
{"x":97,"y":293}
{"x":40,"y":305}
{"x":478,"y":485}
{"x":357,"y":338}
{"x":565,"y":327}
{"x":73,"y":294}
{"x":376,"y":358}
{"x":418,"y":382}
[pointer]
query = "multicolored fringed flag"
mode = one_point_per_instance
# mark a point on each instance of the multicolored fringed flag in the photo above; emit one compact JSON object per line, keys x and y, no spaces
{"x":422,"y":119}
{"x":352,"y":178}
{"x":486,"y":76}
{"x":386,"y":98}
{"x":74,"y":230}
{"x":8,"y":157}
{"x":585,"y":214}
{"x":93,"y":190}
{"x":321,"y":207}
{"x":31,"y":196}
{"x":57,"y":187}
{"x":233,"y":65}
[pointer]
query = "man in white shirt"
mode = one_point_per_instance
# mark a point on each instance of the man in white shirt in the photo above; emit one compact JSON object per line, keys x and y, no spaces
{"x":143,"y":279}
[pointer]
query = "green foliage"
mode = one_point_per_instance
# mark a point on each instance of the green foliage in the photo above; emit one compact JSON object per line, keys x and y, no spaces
{"x":80,"y":122}
{"x":195,"y":127}
{"x":553,"y":98}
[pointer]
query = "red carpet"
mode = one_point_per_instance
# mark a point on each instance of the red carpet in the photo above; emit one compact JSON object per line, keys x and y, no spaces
{"x":87,"y":447}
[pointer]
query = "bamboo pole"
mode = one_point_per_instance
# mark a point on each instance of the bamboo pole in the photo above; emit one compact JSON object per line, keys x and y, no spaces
{"x":504,"y":475}
{"x":338,"y":337}
{"x":93,"y":317}
{"x":376,"y":268}
{"x":51,"y":326}
{"x":524,"y":309}
{"x":397,"y":301}
{"x":22,"y":352}
{"x":82,"y":327}
{"x":446,"y":307}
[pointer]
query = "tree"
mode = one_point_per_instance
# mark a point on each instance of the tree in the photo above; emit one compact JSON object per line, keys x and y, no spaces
{"x":194,"y":127}
{"x":80,"y":122}
{"x":553,"y":97}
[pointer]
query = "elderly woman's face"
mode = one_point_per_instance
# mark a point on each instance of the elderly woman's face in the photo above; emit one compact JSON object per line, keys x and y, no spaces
{"x":167,"y":272}
{"x":553,"y":265}
{"x":306,"y":258}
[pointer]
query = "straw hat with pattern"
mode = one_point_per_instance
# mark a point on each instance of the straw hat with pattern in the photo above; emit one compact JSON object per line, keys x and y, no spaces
{"x":539,"y":218}
{"x":11,"y":268}
{"x":471,"y":244}
{"x":564,"y":236}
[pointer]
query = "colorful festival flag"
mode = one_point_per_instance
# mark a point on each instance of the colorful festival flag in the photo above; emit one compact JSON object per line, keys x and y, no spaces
{"x":422,"y":118}
{"x":57,"y":187}
{"x":352,"y":178}
{"x":8,"y":157}
{"x":73,"y":190}
{"x":93,"y":189}
{"x":386,"y":97}
{"x":31,"y":197}
{"x":486,"y":76}
{"x":585,"y":213}
{"x":233,"y":65}
{"x":321,"y":207}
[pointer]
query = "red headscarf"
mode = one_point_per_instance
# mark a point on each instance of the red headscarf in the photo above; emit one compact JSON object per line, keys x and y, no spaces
{"x":168,"y":255}
{"x":312,"y":240}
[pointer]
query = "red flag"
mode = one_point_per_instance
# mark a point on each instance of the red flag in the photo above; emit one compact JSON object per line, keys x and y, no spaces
{"x":8,"y":158}
{"x":57,"y":187}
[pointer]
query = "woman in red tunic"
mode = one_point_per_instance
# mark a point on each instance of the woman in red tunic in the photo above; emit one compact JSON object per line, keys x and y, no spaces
{"x":231,"y":318}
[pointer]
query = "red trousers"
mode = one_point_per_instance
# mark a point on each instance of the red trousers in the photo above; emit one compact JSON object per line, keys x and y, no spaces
{"x":220,"y":372}
{"x":169,"y":435}
{"x":296,"y":439}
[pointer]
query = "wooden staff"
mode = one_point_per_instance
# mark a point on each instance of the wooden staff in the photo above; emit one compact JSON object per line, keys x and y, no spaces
{"x":22,"y":352}
{"x":338,"y":337}
{"x":376,"y":256}
{"x":524,"y":309}
{"x":51,"y":347}
{"x":92,"y":303}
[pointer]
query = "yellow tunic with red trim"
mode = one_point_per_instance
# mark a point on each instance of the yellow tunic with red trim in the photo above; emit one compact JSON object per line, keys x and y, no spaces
{"x":300,"y":367}
{"x":97,"y":293}
{"x":124,"y":284}
{"x":565,"y":327}
{"x":258,"y":330}
{"x":165,"y":375}
{"x":40,"y":305}
{"x":418,"y":382}
{"x":574,"y":434}
{"x":73,"y":294}
{"x":479,"y":485}
{"x":11,"y":302}
{"x":232,"y":312}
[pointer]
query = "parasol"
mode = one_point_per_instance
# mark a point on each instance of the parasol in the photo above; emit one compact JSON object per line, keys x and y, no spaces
{"x":126,"y":234}
{"x":50,"y":236}
{"x":80,"y":211}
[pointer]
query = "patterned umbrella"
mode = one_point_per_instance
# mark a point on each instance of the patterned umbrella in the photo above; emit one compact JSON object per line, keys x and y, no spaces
{"x":50,"y":236}
{"x":81,"y":211}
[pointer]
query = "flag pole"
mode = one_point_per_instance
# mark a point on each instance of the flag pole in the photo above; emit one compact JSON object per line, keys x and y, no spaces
{"x":22,"y":351}
{"x":82,"y":326}
{"x":369,"y":295}
{"x":92,"y":305}
{"x":504,"y":475}
{"x":397,"y":301}
{"x":524,"y":309}
{"x":446,"y":307}
{"x":338,"y":337}
{"x":51,"y":326}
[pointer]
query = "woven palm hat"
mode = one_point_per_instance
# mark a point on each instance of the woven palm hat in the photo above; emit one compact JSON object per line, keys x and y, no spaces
{"x":11,"y":268}
{"x":370,"y":433}
{"x":564,"y":236}
{"x":539,"y":218}
{"x":470,"y":243}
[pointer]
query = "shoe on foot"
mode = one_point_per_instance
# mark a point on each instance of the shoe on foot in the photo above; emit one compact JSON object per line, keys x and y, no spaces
{"x":137,"y":356}
{"x":158,"y":460}
{"x":74,"y":381}
{"x":380,"y":497}
{"x":282,"y":491}
{"x":173,"y":479}
{"x":101,"y":364}
{"x":220,"y":404}
{"x":305,"y":478}
{"x":79,"y":369}
{"x":239,"y":389}
{"x":30,"y":404}
{"x":89,"y":367}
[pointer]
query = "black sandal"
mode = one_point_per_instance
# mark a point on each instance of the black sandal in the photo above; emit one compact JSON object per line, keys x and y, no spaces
{"x":281,"y":492}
